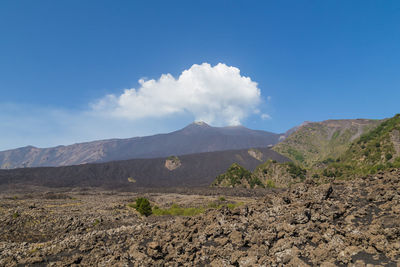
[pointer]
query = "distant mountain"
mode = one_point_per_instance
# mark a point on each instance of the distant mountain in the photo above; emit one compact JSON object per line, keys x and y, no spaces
{"x":316,"y":141}
{"x":195,"y":138}
{"x":182,"y":171}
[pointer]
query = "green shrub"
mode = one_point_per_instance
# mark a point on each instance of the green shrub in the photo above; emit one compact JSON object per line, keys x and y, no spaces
{"x":380,"y":167}
{"x":389,"y":156}
{"x":212,"y":205}
{"x":235,"y":175}
{"x":270,"y":184}
{"x":396,"y":163}
{"x":296,"y":171}
{"x":335,"y":134}
{"x":255,"y":181}
{"x":175,"y":158}
{"x":376,"y":168}
{"x":328,"y":160}
{"x":143,"y":206}
{"x":328,"y":173}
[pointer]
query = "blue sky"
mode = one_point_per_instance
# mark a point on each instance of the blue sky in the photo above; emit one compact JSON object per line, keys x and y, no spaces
{"x":64,"y":66}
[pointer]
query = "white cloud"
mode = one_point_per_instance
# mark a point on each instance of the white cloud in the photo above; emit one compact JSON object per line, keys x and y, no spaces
{"x":218,"y":95}
{"x":265,"y":116}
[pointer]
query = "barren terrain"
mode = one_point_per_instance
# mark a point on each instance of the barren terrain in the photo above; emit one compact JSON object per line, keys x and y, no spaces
{"x":352,"y":223}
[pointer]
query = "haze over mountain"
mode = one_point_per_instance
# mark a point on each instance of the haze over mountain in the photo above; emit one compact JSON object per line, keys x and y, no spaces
{"x":195,"y":138}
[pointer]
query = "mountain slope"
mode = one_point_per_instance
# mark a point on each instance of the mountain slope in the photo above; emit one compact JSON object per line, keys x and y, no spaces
{"x":317,"y":141}
{"x":195,"y":138}
{"x":187,"y":170}
{"x":374,"y":151}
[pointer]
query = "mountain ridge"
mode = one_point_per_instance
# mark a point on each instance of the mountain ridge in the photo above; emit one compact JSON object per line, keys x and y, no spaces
{"x":197,"y":137}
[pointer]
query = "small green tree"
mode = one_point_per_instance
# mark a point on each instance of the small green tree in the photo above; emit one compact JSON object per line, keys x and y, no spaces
{"x":143,"y":206}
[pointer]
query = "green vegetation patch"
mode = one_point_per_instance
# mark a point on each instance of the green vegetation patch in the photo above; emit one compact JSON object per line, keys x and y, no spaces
{"x":315,"y":142}
{"x":336,"y":135}
{"x":384,"y":128}
{"x":96,"y":222}
{"x":235,"y":176}
{"x":173,"y":158}
{"x":297,"y":155}
{"x":296,"y":171}
{"x":142,"y":205}
{"x":270,"y":184}
{"x":369,"y":154}
{"x":176,"y":210}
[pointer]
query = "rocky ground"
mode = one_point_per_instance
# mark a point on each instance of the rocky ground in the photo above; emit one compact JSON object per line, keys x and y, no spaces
{"x":343,"y":223}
